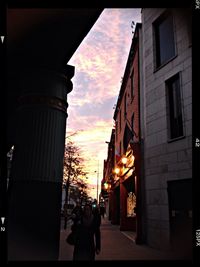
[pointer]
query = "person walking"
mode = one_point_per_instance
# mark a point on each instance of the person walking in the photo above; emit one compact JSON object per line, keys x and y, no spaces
{"x":88,"y":236}
{"x":102,"y":211}
{"x":76,"y":213}
{"x":97,"y":215}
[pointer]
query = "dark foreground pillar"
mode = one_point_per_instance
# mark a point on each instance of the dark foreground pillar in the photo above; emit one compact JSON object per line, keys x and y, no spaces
{"x":35,"y":189}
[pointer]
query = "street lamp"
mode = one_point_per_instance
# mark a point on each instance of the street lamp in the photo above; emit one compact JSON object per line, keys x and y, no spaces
{"x":97,"y":184}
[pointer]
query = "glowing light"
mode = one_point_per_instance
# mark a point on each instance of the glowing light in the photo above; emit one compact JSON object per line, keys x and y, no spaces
{"x":106,"y":185}
{"x":117,"y":170}
{"x":131,"y":171}
{"x":124,"y":160}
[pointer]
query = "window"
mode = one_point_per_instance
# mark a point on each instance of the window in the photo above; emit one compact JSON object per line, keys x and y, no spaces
{"x":174,"y":107}
{"x":132,"y":124}
{"x":120,"y":125}
{"x":132,"y":84}
{"x":164,"y":39}
{"x":125,"y":106}
{"x":116,"y":128}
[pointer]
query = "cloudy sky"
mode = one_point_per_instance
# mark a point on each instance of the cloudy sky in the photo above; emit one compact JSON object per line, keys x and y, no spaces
{"x":99,"y":64}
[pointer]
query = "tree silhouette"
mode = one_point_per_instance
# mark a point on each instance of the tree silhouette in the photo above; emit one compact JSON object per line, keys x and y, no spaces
{"x":73,"y":174}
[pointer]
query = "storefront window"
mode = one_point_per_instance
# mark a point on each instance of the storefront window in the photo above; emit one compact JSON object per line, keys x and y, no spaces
{"x":131,"y":204}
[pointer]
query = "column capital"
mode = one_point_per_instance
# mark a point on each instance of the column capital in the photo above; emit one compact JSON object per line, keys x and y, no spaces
{"x":68,"y":71}
{"x":43,"y":81}
{"x":45,"y":87}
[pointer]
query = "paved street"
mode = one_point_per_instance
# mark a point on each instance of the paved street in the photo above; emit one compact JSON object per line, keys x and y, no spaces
{"x":115,"y":245}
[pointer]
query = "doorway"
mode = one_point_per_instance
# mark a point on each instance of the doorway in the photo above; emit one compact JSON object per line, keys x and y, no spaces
{"x":180,"y":215}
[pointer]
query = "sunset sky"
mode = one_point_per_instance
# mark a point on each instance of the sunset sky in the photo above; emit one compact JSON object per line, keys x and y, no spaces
{"x":99,"y":64}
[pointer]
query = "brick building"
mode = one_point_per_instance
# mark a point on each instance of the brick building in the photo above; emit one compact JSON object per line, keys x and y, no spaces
{"x":127,"y":137}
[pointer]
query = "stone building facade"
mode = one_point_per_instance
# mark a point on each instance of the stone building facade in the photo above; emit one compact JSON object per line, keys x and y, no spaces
{"x":166,"y":127}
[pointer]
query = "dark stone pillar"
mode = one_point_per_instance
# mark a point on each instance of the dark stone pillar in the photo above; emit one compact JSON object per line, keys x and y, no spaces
{"x":113,"y":208}
{"x":110,"y":205}
{"x":139,"y":197}
{"x":35,"y":189}
{"x":123,"y":198}
{"x":115,"y":218}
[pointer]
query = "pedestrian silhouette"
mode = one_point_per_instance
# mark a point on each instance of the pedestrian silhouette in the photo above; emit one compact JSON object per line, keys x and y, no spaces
{"x":76,"y":213}
{"x":102,"y":211}
{"x":97,"y":215}
{"x":88,"y":237}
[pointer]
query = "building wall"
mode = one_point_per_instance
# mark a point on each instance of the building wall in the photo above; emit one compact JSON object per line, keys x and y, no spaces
{"x":133,"y":104}
{"x":127,"y":106}
{"x":164,"y":160}
{"x":132,"y":107}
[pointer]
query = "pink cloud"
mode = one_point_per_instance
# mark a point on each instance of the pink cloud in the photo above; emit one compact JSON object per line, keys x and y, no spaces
{"x":102,"y":56}
{"x":99,"y":66}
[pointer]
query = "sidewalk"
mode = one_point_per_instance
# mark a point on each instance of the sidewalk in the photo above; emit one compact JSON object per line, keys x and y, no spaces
{"x":66,"y":251}
{"x":116,"y":245}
